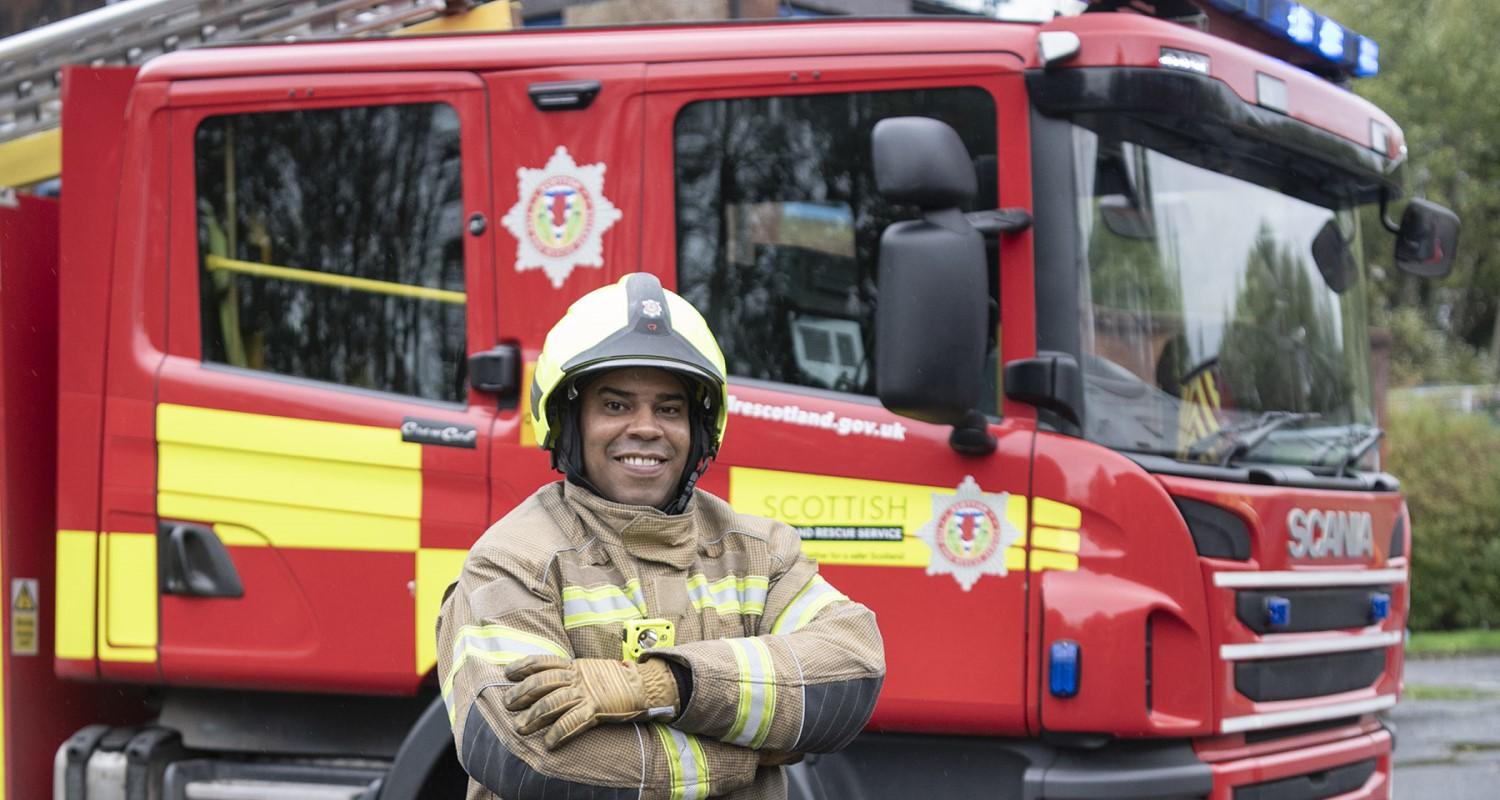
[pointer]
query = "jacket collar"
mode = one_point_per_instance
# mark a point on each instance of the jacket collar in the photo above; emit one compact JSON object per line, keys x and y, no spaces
{"x":645,"y":532}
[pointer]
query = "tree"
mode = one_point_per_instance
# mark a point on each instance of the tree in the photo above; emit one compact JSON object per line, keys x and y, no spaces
{"x":1437,"y":72}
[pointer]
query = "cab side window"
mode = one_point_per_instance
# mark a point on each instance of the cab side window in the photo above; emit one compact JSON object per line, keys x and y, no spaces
{"x":331,"y":246}
{"x":779,"y":223}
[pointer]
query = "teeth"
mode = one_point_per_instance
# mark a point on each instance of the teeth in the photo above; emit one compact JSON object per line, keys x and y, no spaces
{"x":636,"y":461}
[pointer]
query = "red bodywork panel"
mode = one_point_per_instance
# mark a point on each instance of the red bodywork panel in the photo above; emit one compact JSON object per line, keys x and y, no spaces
{"x":338,"y":618}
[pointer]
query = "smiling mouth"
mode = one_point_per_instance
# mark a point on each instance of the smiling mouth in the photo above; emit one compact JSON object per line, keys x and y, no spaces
{"x":641,"y":461}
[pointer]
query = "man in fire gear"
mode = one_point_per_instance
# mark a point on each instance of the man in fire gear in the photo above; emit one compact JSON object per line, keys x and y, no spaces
{"x":623,"y":634}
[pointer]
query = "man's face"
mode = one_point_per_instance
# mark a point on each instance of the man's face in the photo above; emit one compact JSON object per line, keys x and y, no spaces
{"x":636,"y":434}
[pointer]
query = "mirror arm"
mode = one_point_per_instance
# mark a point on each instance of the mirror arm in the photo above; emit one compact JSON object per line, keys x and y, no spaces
{"x":972,"y":437}
{"x":1385,"y":217}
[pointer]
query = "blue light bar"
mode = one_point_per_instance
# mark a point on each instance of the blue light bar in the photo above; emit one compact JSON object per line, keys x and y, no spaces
{"x":1350,"y":53}
{"x":1062,"y":671}
{"x":1380,"y":606}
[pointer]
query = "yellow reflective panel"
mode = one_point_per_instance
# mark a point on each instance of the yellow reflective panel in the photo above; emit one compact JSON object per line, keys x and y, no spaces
{"x":1044,"y":559}
{"x":77,"y":559}
{"x":1053,"y":539}
{"x":237,"y":536}
{"x":330,"y":441}
{"x":436,"y":568}
{"x":805,"y":500}
{"x":290,"y":482}
{"x":128,"y":597}
{"x":1056,"y":515}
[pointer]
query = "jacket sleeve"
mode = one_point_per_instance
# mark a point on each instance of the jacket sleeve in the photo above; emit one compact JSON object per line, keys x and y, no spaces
{"x":495,"y":614}
{"x":807,"y":683}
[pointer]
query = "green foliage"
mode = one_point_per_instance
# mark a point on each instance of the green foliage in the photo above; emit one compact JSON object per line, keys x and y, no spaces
{"x":1449,"y":465}
{"x":1422,"y":354}
{"x":1437,"y":72}
{"x":1453,"y":643}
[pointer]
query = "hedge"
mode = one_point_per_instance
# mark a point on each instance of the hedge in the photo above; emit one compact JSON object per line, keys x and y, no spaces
{"x":1449,"y":466}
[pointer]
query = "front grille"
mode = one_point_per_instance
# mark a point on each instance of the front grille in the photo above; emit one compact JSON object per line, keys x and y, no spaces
{"x":1308,"y":676}
{"x":1312,"y":786}
{"x":1311,"y":609}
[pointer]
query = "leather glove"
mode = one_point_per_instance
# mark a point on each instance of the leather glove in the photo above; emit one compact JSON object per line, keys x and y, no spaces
{"x":573,"y":695}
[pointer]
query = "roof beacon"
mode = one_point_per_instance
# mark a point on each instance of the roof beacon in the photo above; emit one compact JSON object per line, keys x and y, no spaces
{"x":1337,"y":47}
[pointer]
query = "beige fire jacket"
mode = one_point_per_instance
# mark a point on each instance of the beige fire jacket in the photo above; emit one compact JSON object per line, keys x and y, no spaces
{"x":781,"y":662}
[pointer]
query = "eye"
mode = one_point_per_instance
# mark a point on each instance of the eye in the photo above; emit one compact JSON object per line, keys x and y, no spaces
{"x":614,"y":405}
{"x":670,"y":411}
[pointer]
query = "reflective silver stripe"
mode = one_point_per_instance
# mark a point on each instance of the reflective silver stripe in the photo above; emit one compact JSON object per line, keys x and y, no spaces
{"x":1276,"y":719}
{"x":757,"y":701}
{"x":1304,"y":647}
{"x":686,"y":762}
{"x":817,"y":594}
{"x":1328,"y":577}
{"x":602,"y":604}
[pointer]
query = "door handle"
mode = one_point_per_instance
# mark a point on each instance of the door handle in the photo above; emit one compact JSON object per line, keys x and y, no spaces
{"x":195,"y":563}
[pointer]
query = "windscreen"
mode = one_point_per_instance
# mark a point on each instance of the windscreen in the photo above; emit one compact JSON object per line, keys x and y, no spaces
{"x":1222,"y":320}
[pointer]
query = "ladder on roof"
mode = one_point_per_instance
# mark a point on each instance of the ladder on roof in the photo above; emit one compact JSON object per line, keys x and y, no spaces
{"x":134,"y":31}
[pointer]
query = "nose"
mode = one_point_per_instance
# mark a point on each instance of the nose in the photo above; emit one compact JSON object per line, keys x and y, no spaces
{"x":643,"y":424}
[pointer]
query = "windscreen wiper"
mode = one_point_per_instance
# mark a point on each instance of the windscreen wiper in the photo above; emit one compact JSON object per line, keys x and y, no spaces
{"x":1358,"y":449}
{"x":1246,"y":436}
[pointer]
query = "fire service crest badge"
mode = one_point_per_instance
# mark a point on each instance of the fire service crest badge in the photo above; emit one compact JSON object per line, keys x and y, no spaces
{"x":968,"y":533}
{"x":560,"y":217}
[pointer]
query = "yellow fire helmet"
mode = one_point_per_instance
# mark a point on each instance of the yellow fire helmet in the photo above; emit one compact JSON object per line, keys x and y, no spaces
{"x":632,"y":323}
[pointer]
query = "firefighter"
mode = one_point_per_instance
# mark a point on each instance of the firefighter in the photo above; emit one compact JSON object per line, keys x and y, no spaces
{"x":622,"y":633}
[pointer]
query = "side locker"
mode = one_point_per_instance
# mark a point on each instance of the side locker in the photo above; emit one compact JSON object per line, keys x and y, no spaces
{"x":567,"y":183}
{"x":321,"y":455}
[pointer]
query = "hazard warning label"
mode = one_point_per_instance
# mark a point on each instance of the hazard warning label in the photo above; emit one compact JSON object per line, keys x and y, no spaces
{"x":23,"y":614}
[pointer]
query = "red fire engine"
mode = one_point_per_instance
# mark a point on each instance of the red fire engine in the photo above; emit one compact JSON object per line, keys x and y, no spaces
{"x":1103,"y":449}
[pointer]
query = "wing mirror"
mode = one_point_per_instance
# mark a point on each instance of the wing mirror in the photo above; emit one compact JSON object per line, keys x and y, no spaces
{"x":929,"y":324}
{"x":1426,"y":240}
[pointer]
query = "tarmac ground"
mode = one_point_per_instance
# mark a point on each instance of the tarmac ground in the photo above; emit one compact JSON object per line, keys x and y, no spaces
{"x":1448,"y":730}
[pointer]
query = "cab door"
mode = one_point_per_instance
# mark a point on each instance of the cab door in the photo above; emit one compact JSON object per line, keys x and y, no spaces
{"x":567,"y":177}
{"x":762,"y":211}
{"x":322,"y":458}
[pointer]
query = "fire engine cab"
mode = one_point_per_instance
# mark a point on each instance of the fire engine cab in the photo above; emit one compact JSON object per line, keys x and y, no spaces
{"x":1050,"y":338}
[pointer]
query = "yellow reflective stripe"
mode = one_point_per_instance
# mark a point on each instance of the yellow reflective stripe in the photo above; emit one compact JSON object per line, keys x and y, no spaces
{"x":436,"y":568}
{"x":127,"y":598}
{"x":686,"y":764}
{"x":730,"y":594}
{"x":77,"y":576}
{"x":1045,"y":559}
{"x":294,"y":482}
{"x":366,"y":285}
{"x":493,"y":644}
{"x":757,"y":701}
{"x":1053,"y":514}
{"x":600,"y":605}
{"x":812,"y":598}
{"x":1052,"y":539}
